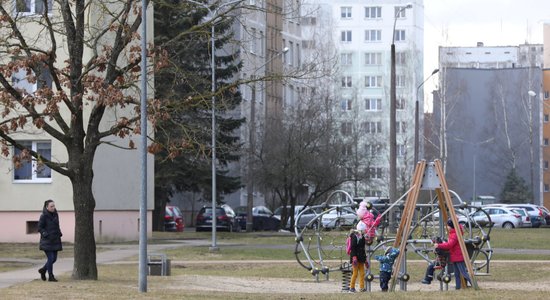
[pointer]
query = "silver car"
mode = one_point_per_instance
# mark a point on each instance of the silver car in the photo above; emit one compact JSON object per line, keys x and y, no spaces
{"x":501,"y":216}
{"x":344,"y":216}
{"x":524,"y":216}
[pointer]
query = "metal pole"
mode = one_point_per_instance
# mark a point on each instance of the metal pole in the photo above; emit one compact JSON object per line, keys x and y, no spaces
{"x":143,"y":152}
{"x":213,"y":133}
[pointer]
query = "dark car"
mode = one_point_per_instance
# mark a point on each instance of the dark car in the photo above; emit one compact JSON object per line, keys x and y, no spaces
{"x":173,"y":219}
{"x":225,"y":219}
{"x":262,"y":218}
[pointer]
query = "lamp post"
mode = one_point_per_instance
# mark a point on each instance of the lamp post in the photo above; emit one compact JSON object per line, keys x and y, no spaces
{"x":416,"y":117}
{"x":213,"y":15}
{"x":393,"y":96}
{"x":252,"y":145}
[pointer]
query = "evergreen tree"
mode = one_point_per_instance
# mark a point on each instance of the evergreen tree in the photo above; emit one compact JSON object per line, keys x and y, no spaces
{"x":183,"y":159}
{"x":515,"y":190}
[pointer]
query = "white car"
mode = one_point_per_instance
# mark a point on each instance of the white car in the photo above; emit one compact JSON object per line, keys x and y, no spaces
{"x":344,"y":216}
{"x":500,"y":216}
{"x":524,"y":217}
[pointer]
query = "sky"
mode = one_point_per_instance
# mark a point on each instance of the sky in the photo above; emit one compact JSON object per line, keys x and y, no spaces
{"x":465,"y":22}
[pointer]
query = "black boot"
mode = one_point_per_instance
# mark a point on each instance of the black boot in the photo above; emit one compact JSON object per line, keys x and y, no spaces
{"x":51,"y":278}
{"x":42,"y":272}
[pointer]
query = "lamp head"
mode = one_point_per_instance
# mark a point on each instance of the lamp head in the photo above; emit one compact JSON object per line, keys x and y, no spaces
{"x":532,"y":93}
{"x":435,"y":71}
{"x":285,"y":50}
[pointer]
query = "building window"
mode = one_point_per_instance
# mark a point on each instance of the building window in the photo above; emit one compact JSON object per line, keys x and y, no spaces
{"x":32,"y":7}
{"x":546,"y":118}
{"x":373,"y":104}
{"x":346,"y":104}
{"x":373,"y":35}
{"x":400,"y":127}
{"x":545,"y":141}
{"x":401,"y":58}
{"x":346,"y":128}
{"x":400,"y":81}
{"x":546,"y":165}
{"x":373,"y":58}
{"x":546,"y":188}
{"x":373,"y":81}
{"x":400,"y":103}
{"x":375,"y":173}
{"x":346,"y":59}
{"x":346,"y":81}
{"x":546,"y":94}
{"x":399,"y":35}
{"x":401,"y":150}
{"x":373,"y":12}
{"x":345,"y":36}
{"x":374,"y":150}
{"x":345,"y":12}
{"x":347,"y":150}
{"x":29,"y":83}
{"x":400,"y":12}
{"x":372,"y":127}
{"x":26,"y":170}
{"x":290,"y":53}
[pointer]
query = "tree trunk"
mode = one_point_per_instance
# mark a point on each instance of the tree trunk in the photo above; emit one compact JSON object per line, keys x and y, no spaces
{"x":85,"y":267}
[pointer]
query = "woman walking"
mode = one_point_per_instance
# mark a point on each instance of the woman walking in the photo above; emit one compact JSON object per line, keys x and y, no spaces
{"x":50,"y":238}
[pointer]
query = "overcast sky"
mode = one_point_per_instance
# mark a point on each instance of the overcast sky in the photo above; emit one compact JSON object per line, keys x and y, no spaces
{"x":493,"y":22}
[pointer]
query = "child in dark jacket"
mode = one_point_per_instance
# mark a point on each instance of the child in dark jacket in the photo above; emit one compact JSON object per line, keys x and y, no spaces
{"x":358,"y":257}
{"x":386,"y":266}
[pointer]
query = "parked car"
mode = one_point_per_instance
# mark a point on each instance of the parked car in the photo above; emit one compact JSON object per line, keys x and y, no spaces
{"x":525,"y":218}
{"x":535,"y":213}
{"x":344,"y":216}
{"x":501,"y":216}
{"x":225,"y":219}
{"x":262,"y":218}
{"x":304,"y":219}
{"x":173,"y":219}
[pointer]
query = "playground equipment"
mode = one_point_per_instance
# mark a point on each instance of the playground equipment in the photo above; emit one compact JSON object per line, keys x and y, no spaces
{"x":322,"y":251}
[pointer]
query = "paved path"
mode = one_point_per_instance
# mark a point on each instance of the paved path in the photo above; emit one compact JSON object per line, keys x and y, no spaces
{"x":63,"y":265}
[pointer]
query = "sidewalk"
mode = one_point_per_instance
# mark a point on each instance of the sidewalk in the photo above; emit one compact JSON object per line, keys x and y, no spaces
{"x":64,"y":265}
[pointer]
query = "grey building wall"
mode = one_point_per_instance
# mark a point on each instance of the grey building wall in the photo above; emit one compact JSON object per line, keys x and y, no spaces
{"x":492,"y":124}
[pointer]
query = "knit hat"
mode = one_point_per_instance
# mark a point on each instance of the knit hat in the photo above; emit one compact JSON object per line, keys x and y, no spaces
{"x":450,"y":223}
{"x":361,"y":226}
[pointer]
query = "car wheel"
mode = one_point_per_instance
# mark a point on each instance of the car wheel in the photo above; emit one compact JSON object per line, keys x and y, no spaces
{"x":507,"y":225}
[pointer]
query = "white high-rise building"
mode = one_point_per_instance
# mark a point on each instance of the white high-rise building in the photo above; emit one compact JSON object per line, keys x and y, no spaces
{"x":362,"y":33}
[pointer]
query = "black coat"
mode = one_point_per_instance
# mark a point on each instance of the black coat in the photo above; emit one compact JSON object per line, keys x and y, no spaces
{"x":50,"y":233}
{"x":358,"y":248}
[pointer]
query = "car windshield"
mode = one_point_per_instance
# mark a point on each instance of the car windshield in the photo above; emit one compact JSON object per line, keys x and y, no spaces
{"x":208,"y":211}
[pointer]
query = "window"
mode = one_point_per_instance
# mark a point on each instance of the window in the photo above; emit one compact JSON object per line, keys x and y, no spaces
{"x":346,"y":81}
{"x":400,"y":12}
{"x":400,"y":81}
{"x":546,"y":94}
{"x":374,"y":150}
{"x":373,"y":104}
{"x":545,"y":141}
{"x":373,"y":35}
{"x":372,"y":127}
{"x":399,"y":35}
{"x":373,"y":58}
{"x":32,"y":7}
{"x":346,"y":104}
{"x":373,"y":12}
{"x":33,"y":171}
{"x":546,"y":165}
{"x":345,"y":36}
{"x":23,"y":81}
{"x":400,"y":127}
{"x":345,"y":12}
{"x":546,"y":188}
{"x":346,"y":128}
{"x":375,"y":173}
{"x":401,"y":58}
{"x":546,"y":118}
{"x":291,"y":53}
{"x":346,"y":150}
{"x":253,"y":41}
{"x":346,"y":59}
{"x":400,"y":103}
{"x":401,"y":150}
{"x":373,"y":81}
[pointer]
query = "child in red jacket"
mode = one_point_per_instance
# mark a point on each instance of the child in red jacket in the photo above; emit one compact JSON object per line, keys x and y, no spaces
{"x":455,"y":257}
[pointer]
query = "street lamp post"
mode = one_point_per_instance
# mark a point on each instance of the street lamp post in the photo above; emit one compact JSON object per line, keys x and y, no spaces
{"x":416,"y":117}
{"x":393,"y":96}
{"x":213,"y":15}
{"x":252,"y":145}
